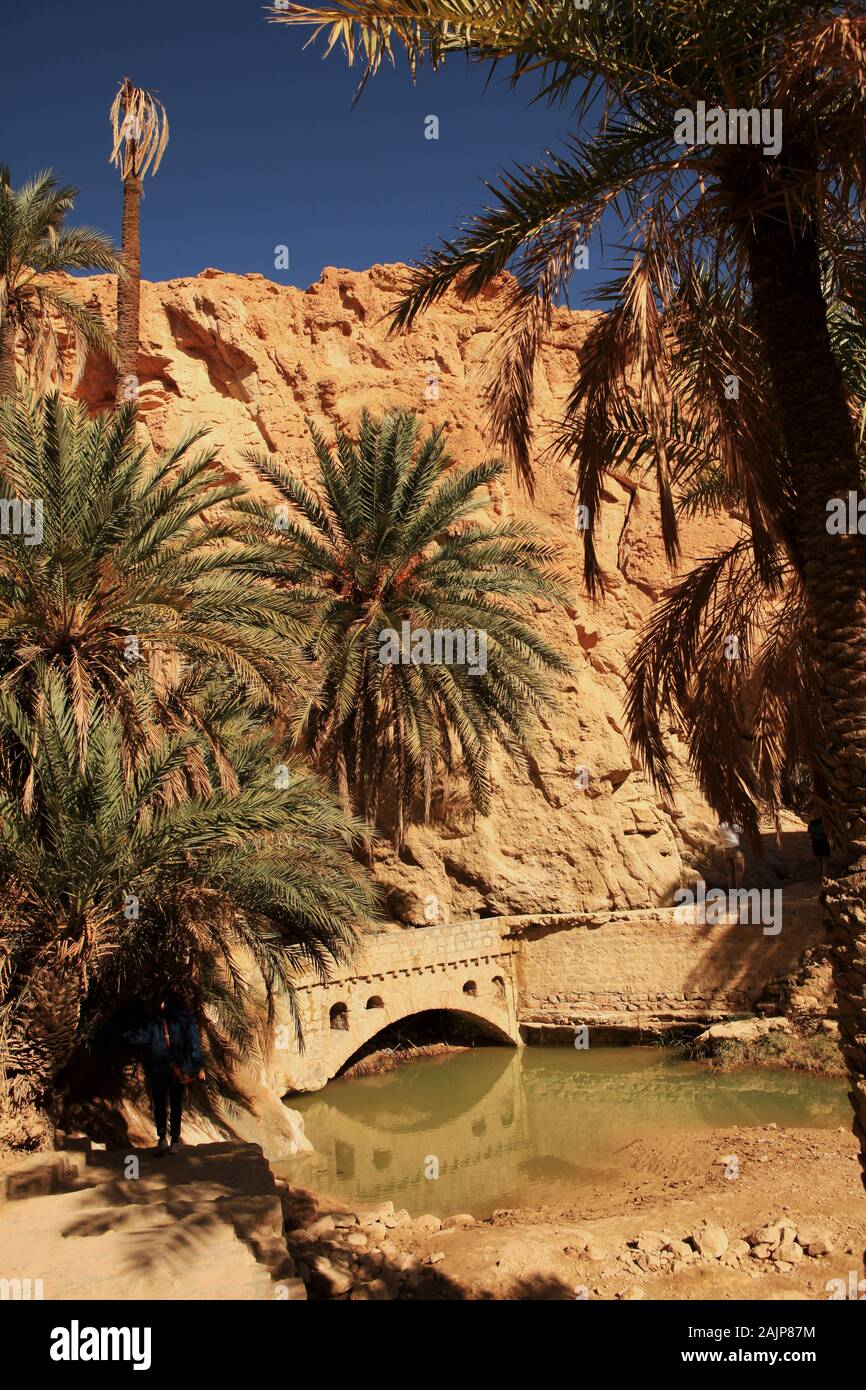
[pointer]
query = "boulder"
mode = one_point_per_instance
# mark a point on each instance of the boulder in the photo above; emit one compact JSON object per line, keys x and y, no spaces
{"x":821,"y":1245}
{"x":765,"y":1235}
{"x":329,"y":1280}
{"x":650,"y":1242}
{"x":680,"y":1250}
{"x":319,"y":1227}
{"x":809,"y":1234}
{"x":427,"y":1224}
{"x":742,"y":1030}
{"x":375,"y":1290}
{"x":376,"y":1230}
{"x":710,"y":1241}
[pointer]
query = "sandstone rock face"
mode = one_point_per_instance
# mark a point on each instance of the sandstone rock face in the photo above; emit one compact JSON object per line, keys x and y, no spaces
{"x":251,"y":359}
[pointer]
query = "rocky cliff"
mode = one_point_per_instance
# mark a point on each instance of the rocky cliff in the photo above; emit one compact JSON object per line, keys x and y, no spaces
{"x":251,"y":359}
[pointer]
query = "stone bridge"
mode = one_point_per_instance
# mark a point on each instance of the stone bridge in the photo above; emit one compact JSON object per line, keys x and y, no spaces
{"x":466,"y":969}
{"x":515,"y":976}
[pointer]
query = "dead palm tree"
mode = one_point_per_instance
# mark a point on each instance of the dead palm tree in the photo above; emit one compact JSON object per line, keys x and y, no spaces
{"x":759,"y":217}
{"x":139,"y":127}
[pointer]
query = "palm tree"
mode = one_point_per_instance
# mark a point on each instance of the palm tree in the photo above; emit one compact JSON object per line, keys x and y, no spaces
{"x":759,"y":700}
{"x":139,"y":129}
{"x":35,"y":244}
{"x":760,"y":215}
{"x":133,"y":586}
{"x":388,"y":538}
{"x":109,"y":893}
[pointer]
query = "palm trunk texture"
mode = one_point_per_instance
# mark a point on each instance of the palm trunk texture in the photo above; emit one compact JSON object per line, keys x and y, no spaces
{"x":129,"y":291}
{"x":820,"y":442}
{"x":7,"y":358}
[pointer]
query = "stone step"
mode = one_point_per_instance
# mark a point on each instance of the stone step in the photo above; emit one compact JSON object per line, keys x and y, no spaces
{"x":42,"y":1175}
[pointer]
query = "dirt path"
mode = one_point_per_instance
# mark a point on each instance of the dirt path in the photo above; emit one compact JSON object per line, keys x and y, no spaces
{"x":206,"y":1223}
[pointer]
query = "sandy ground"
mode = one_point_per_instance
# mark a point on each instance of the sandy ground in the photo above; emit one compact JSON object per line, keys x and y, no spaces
{"x":799,"y":1176}
{"x":195,"y":1226}
{"x":210,"y":1225}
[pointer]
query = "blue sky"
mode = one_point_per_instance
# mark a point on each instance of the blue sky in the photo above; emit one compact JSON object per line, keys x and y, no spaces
{"x":266,"y":148}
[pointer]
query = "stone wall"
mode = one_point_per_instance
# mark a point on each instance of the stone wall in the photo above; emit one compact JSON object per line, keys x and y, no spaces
{"x":580,"y":968}
{"x":603,"y":968}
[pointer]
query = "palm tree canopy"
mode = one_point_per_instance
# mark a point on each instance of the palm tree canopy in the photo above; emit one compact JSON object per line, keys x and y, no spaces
{"x":35,"y":243}
{"x":134,"y":586}
{"x":139,"y":127}
{"x":674,"y":380}
{"x":759,"y":700}
{"x":390,"y":536}
{"x":632,"y":70}
{"x":108,"y":890}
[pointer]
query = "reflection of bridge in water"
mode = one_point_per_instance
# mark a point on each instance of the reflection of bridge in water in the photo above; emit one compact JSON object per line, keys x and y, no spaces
{"x":503,"y":1123}
{"x":374,"y":1136}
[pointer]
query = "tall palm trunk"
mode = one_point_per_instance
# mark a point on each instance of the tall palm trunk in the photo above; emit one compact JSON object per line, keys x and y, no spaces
{"x":820,"y":442}
{"x":8,"y":375}
{"x":129,"y":292}
{"x":8,"y":378}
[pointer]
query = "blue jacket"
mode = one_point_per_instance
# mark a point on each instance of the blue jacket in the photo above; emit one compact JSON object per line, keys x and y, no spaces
{"x":185,"y":1042}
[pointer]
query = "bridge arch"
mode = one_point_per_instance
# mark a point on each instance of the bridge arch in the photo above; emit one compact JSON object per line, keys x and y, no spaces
{"x":357,"y":1041}
{"x":467,"y":971}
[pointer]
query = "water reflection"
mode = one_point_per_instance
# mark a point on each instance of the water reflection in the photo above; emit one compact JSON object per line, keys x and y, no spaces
{"x":523,"y":1128}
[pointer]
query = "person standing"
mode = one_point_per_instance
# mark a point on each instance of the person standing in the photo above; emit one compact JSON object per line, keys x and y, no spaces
{"x":735,"y":864}
{"x":172,"y":1059}
{"x":820,"y":844}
